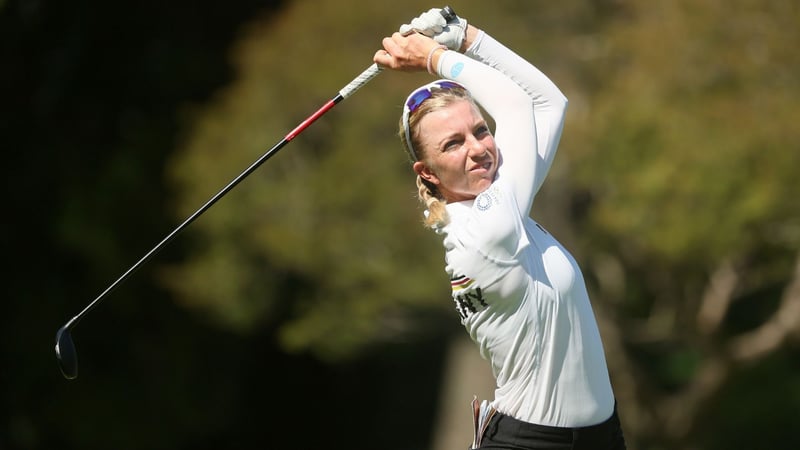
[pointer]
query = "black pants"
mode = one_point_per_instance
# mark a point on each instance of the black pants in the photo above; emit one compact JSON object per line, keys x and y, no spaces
{"x":507,"y":433}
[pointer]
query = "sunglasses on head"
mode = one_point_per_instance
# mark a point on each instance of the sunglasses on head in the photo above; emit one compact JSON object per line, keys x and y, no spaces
{"x":415,"y":100}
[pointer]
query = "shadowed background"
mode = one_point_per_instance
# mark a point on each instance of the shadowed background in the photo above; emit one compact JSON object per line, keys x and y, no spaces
{"x":309,"y":309}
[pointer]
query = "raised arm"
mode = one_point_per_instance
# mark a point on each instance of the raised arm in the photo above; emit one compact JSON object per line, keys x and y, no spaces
{"x":549,"y":106}
{"x":513,"y":113}
{"x":526,"y":106}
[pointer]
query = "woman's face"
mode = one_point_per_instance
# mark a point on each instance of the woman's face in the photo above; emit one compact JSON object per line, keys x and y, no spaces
{"x":459,"y":154}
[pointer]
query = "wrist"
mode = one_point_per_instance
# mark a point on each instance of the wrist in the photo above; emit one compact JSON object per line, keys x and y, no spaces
{"x":469,"y":37}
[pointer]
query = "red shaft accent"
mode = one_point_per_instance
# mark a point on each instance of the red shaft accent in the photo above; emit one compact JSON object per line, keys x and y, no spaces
{"x":303,"y":125}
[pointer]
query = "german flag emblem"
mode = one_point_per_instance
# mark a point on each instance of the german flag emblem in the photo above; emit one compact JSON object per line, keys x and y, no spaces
{"x":461,"y":283}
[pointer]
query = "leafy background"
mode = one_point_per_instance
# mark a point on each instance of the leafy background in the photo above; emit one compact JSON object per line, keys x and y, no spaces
{"x":308,"y":308}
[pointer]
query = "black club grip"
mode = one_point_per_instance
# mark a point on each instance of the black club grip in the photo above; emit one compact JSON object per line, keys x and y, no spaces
{"x":448,"y":13}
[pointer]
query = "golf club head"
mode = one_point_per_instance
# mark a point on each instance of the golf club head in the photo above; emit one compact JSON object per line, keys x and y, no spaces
{"x":65,"y":354}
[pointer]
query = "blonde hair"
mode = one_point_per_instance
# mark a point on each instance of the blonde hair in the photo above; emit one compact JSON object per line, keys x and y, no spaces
{"x":435,"y":216}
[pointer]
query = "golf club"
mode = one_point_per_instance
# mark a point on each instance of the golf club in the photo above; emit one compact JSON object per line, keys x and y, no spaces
{"x":65,"y":347}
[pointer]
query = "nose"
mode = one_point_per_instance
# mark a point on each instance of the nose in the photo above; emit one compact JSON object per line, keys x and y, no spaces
{"x":476,"y":150}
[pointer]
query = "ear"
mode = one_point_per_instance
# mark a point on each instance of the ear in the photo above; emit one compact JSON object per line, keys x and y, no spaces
{"x":421,"y":169}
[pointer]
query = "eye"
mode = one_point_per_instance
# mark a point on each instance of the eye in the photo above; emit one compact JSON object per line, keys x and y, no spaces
{"x":451,"y":145}
{"x":482,"y":130}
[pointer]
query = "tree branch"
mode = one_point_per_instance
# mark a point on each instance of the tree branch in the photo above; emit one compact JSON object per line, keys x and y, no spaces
{"x":717,"y":298}
{"x":774,"y":332}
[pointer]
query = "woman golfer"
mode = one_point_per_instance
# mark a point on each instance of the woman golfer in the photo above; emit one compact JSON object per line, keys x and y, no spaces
{"x":519,"y":293}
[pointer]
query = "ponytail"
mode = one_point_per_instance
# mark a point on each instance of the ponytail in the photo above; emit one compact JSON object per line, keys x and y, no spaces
{"x":435,"y":211}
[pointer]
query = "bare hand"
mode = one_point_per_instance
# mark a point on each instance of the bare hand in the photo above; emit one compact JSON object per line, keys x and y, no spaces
{"x":405,"y":53}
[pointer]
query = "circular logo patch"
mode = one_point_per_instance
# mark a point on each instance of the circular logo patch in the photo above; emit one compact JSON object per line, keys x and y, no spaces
{"x":456,"y":70}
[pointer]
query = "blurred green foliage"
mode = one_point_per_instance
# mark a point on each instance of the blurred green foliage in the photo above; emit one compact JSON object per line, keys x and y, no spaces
{"x":678,"y":157}
{"x":678,"y":161}
{"x":680,"y":129}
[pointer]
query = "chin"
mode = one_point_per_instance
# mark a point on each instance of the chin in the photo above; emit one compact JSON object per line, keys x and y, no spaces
{"x":482,"y":185}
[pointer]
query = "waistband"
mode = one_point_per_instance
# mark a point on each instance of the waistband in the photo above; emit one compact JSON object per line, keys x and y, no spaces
{"x":500,"y":428}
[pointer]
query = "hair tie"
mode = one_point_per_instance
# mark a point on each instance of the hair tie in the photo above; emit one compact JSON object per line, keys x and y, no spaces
{"x":430,"y":58}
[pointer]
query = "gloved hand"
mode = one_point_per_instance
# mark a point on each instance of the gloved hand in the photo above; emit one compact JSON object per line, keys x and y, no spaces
{"x":432,"y":24}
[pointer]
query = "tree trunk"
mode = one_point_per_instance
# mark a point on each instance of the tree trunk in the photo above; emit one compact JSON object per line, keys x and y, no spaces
{"x":466,"y":375}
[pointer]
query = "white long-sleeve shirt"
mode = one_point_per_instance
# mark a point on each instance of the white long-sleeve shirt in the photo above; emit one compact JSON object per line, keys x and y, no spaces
{"x":520,"y":294}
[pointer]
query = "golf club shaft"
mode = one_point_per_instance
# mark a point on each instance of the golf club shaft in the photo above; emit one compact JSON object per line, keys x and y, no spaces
{"x":347,"y":91}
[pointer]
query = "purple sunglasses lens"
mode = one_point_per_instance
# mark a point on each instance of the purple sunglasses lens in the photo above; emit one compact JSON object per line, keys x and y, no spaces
{"x":417,"y":99}
{"x":425,"y":93}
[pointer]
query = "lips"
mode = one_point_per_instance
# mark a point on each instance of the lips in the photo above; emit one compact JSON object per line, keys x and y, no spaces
{"x":486,"y":165}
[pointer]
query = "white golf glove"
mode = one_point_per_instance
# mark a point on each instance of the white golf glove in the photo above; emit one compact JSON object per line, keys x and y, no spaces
{"x":432,"y":24}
